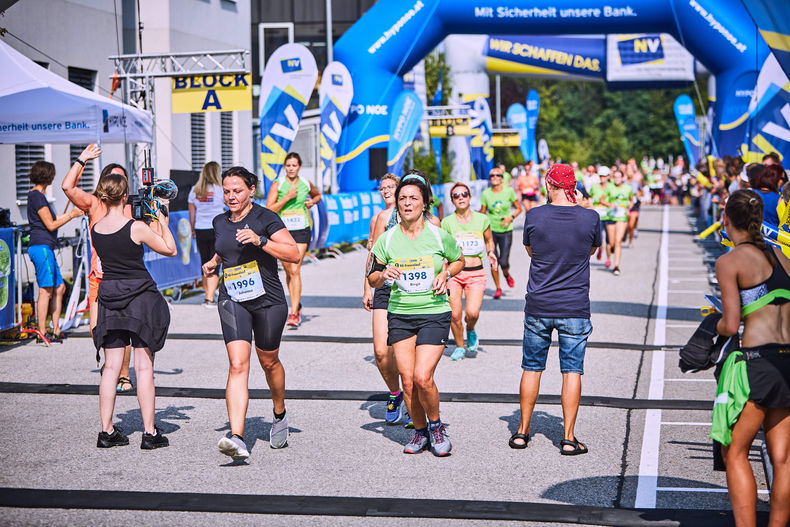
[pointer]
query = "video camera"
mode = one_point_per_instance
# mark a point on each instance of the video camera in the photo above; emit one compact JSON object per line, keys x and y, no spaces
{"x":145,"y":204}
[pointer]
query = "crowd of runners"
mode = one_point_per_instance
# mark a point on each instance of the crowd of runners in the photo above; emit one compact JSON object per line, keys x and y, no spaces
{"x":425,"y":281}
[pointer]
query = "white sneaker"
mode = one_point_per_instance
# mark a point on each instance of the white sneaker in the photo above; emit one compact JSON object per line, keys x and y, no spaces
{"x":278,"y":435}
{"x":234,"y":447}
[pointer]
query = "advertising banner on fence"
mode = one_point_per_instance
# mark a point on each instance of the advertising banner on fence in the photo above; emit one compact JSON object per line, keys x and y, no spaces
{"x":406,"y":115}
{"x":182,"y":268}
{"x":287,"y":83}
{"x":647,"y":57}
{"x":517,"y":119}
{"x":481,"y":147}
{"x":533,"y":109}
{"x":566,"y":57}
{"x":334,"y":100}
{"x":212,"y":93}
{"x":689,"y":131}
{"x":7,"y":283}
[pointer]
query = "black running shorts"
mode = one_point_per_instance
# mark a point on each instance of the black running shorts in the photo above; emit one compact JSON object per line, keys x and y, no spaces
{"x":120,"y":338}
{"x":381,"y":297}
{"x":301,"y":236}
{"x":502,"y":243}
{"x":432,"y":329}
{"x":266,"y":324}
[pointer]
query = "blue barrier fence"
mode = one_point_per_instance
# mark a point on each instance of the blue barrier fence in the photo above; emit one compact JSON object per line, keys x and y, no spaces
{"x":181,"y":269}
{"x":7,"y":281}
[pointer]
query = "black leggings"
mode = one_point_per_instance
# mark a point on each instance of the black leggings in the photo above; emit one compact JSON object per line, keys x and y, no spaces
{"x":241,"y":323}
{"x":502,"y":243}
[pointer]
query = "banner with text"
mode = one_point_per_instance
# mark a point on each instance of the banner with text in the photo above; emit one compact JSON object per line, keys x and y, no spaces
{"x":7,"y":281}
{"x":770,"y":111}
{"x":334,"y":99}
{"x":286,"y":86}
{"x":689,"y":130}
{"x":406,"y":116}
{"x":517,"y":119}
{"x":647,"y":57}
{"x":533,"y":109}
{"x":212,"y":93}
{"x":542,"y":55}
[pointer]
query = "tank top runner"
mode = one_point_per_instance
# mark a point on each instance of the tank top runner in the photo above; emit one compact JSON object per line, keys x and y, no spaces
{"x":294,"y":213}
{"x":774,"y":291}
{"x":121,"y":257}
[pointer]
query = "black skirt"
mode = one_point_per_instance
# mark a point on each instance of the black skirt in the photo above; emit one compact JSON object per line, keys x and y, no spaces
{"x":133,"y":305}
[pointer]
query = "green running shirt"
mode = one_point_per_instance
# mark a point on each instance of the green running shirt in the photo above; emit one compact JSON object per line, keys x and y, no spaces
{"x":469,"y":236}
{"x":498,"y":206}
{"x":294,"y":213}
{"x":619,"y":198}
{"x":419,"y":261}
{"x":732,"y":392}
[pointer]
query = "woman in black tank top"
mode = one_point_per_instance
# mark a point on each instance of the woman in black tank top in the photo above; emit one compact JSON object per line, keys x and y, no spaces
{"x":130,"y":308}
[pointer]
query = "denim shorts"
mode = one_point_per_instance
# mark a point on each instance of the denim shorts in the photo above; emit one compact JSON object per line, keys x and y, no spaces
{"x":573,"y":334}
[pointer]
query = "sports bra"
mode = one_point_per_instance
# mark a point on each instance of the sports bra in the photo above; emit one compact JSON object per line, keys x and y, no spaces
{"x":774,"y":291}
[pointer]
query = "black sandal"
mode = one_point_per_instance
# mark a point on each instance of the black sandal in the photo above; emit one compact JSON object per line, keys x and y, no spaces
{"x":578,"y":447}
{"x":123,"y":381}
{"x":519,"y":446}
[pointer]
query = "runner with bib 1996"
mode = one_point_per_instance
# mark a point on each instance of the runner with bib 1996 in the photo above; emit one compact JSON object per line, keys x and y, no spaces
{"x":249,"y":241}
{"x":291,"y":196}
{"x":412,"y":255}
{"x":472,"y":232}
{"x":498,"y":202}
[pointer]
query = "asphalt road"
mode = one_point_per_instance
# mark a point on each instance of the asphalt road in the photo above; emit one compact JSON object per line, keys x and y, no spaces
{"x":645,"y":423}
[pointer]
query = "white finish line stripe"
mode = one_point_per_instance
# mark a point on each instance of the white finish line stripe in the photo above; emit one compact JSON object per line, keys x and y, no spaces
{"x":684,"y":423}
{"x":698,"y":489}
{"x":690,"y":380}
{"x":647,"y":482}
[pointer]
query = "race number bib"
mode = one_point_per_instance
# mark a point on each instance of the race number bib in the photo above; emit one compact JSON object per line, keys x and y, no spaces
{"x":602,"y":211}
{"x":618,"y":211}
{"x":294,"y":219}
{"x":243,"y":282}
{"x":416,"y":274}
{"x":471,"y":243}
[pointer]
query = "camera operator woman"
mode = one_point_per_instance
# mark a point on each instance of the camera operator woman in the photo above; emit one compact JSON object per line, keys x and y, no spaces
{"x":291,"y":197}
{"x":412,"y":255}
{"x":249,"y":241}
{"x":130,"y":308}
{"x":755,"y":288}
{"x":205,"y":202}
{"x":44,"y":224}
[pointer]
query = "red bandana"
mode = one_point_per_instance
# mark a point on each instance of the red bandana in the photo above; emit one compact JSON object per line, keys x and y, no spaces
{"x":562,"y":176}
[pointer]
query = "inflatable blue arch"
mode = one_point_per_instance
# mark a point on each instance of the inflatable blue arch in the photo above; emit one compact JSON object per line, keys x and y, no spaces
{"x":396,"y":34}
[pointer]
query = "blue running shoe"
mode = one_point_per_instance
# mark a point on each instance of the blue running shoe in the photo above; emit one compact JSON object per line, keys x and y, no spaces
{"x":458,"y":354}
{"x":471,"y":340}
{"x":395,"y":409}
{"x":409,"y":423}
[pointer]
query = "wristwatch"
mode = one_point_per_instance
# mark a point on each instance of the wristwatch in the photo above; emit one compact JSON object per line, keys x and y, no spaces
{"x":449,"y":275}
{"x":263,"y":240}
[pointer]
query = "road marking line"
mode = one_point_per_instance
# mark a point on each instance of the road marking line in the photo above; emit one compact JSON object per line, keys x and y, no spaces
{"x":690,"y":279}
{"x":698,"y":489}
{"x":684,"y":423}
{"x":700,"y":268}
{"x":682,"y":325}
{"x":688,"y":291}
{"x":647,"y":481}
{"x":691,"y":380}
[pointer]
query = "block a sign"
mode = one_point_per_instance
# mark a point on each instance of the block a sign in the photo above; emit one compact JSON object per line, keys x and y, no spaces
{"x":212,"y":93}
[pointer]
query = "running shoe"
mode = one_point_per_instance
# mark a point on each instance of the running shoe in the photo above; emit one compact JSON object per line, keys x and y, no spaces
{"x":299,"y":316}
{"x":510,"y":282}
{"x":440,"y":443}
{"x":110,"y":440}
{"x":395,"y":409}
{"x":209,"y":304}
{"x":417,"y":443}
{"x":599,"y":254}
{"x":406,"y":417}
{"x":498,"y":294}
{"x":636,"y":233}
{"x":458,"y":354}
{"x":608,"y":264}
{"x":472,"y":341}
{"x":155,"y":440}
{"x":616,"y":271}
{"x":234,"y":447}
{"x":278,"y":436}
{"x":293,"y":320}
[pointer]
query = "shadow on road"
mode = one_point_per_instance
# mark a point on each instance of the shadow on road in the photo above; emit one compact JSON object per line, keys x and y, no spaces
{"x":132,"y":420}
{"x":547,"y":425}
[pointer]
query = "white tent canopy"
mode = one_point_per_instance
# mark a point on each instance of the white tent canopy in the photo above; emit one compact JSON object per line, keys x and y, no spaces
{"x":38,"y":106}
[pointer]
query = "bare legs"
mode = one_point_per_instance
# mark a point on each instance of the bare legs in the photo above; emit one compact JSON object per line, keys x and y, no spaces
{"x":127,"y":354}
{"x":293,"y":279}
{"x":616,"y":232}
{"x":49,"y":304}
{"x":210,"y":284}
{"x":417,"y":365}
{"x":385,"y":358}
{"x":236,"y":391}
{"x":528,"y":395}
{"x":144,"y":366}
{"x":740,"y":479}
{"x":474,"y":301}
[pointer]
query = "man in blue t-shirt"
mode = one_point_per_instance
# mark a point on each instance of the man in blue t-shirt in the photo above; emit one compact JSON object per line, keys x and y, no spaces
{"x":560,"y":237}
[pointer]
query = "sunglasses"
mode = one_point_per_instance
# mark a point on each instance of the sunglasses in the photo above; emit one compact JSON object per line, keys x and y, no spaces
{"x":463,"y":194}
{"x":388,"y":187}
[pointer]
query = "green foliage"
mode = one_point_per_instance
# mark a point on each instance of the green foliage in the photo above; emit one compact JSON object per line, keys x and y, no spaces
{"x":434,"y":63}
{"x":583,"y":121}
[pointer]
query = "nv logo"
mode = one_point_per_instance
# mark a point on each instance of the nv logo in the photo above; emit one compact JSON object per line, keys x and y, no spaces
{"x":647,"y":45}
{"x":291,"y":65}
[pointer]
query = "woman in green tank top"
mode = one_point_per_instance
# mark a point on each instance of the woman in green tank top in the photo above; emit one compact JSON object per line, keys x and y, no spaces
{"x":291,"y":197}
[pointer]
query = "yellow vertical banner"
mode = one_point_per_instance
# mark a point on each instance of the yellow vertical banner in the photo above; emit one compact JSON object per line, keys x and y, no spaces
{"x":212,"y":93}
